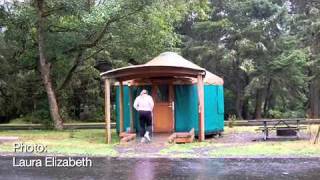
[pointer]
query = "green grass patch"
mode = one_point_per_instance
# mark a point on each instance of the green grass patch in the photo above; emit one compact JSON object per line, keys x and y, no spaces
{"x":25,"y":121}
{"x":240,"y":129}
{"x":68,"y":142}
{"x":19,"y":121}
{"x":92,"y":142}
{"x":288,"y":148}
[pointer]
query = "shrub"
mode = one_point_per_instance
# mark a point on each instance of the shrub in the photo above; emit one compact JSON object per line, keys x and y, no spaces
{"x":231,"y":120}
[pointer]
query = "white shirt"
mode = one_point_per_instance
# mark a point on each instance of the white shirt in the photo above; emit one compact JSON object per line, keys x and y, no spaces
{"x":143,"y":102}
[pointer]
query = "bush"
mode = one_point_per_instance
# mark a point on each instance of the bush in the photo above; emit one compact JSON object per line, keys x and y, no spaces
{"x":43,"y":117}
{"x":39,"y":117}
{"x":231,"y":120}
{"x":287,"y":114}
{"x":275,"y":114}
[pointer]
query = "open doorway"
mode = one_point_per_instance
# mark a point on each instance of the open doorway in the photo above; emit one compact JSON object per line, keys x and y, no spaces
{"x":163,"y":114}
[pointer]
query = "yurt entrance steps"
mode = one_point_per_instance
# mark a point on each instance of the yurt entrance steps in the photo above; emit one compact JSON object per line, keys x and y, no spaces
{"x":157,"y":138}
{"x":182,"y":137}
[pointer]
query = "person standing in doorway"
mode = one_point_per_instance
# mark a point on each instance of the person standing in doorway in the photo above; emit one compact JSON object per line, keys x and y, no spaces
{"x":144,"y":105}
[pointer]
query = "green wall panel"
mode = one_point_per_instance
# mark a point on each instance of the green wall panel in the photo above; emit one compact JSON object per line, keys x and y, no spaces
{"x":186,"y":107}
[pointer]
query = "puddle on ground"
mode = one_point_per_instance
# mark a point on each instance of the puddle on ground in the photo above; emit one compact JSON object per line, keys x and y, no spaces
{"x":163,"y":168}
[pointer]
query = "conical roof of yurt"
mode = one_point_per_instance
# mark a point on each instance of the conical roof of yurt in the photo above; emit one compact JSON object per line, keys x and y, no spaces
{"x":175,"y":60}
{"x":172,"y":59}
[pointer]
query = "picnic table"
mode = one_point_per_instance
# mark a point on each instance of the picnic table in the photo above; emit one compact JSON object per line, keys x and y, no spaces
{"x":289,"y":127}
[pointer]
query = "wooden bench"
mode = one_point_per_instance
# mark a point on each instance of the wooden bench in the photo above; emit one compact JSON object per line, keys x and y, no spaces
{"x":182,"y":137}
{"x":126,"y":137}
{"x":280,"y":128}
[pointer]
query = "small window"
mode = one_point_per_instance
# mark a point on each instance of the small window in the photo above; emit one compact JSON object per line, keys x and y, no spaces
{"x":162,"y":93}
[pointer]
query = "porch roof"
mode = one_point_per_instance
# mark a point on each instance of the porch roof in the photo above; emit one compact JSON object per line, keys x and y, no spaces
{"x":167,"y":64}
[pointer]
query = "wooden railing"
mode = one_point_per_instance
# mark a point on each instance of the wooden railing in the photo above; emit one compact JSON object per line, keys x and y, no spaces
{"x":113,"y":125}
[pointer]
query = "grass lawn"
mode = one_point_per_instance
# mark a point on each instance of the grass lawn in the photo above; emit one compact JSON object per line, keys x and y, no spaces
{"x":219,"y":148}
{"x":77,"y":142}
{"x":256,"y":149}
{"x":304,"y":147}
{"x":275,"y":149}
{"x":232,"y":144}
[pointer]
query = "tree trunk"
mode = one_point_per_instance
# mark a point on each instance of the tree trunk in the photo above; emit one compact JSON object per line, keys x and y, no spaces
{"x":45,"y":66}
{"x":245,"y":109}
{"x":258,"y":107}
{"x":314,"y":99}
{"x":89,"y":5}
{"x":238,"y":89}
{"x":267,"y":98}
{"x":239,"y":104}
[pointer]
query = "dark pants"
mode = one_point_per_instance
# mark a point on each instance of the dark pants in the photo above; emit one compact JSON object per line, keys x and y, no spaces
{"x":145,"y":122}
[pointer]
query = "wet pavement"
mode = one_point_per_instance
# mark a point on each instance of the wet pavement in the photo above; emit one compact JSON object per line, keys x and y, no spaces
{"x":161,"y":168}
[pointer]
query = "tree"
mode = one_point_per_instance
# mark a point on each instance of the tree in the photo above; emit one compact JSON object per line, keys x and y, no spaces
{"x":243,"y":41}
{"x":306,"y":26}
{"x":71,"y":36}
{"x":45,"y":65}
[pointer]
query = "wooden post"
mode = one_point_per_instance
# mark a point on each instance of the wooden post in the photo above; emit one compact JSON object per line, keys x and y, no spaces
{"x":171,"y":100}
{"x":121,"y":107}
{"x":107,"y":110}
{"x":131,"y":109}
{"x":317,"y":136}
{"x":154,"y":96}
{"x":201,"y":107}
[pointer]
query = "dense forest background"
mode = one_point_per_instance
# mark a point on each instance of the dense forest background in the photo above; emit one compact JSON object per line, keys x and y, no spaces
{"x":267,"y":52}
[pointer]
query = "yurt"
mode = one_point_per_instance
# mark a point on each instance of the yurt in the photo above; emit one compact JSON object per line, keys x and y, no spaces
{"x":186,"y":95}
